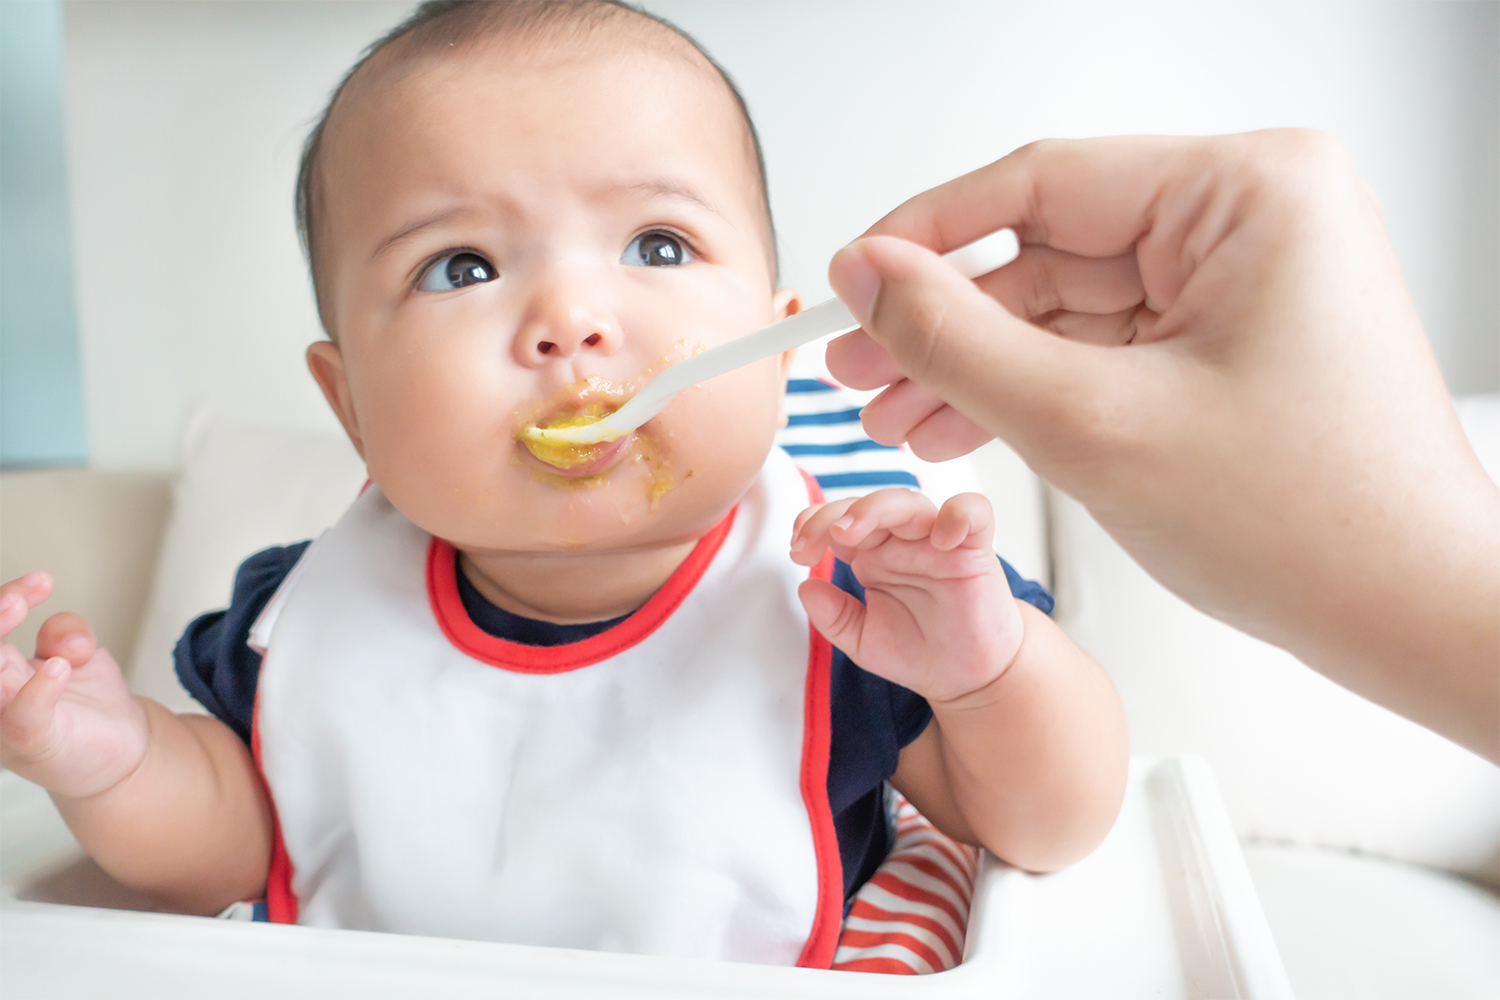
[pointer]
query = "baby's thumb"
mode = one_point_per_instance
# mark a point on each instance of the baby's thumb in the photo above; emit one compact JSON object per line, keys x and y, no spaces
{"x":837,"y":615}
{"x":26,"y":724}
{"x":1009,"y":377}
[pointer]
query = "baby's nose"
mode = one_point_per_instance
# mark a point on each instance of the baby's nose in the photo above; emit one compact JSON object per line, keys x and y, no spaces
{"x":566,"y":333}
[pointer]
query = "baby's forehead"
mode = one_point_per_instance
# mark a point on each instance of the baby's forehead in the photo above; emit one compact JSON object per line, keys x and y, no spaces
{"x":412,"y":78}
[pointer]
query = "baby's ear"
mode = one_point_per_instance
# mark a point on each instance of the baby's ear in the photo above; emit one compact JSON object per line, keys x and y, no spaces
{"x":786,"y":368}
{"x":326,"y":363}
{"x":786,"y":302}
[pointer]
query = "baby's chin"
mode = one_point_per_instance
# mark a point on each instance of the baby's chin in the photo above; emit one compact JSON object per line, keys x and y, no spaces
{"x":650,"y":508}
{"x":650,"y":498}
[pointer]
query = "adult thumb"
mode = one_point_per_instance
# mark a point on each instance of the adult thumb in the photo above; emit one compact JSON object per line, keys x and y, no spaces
{"x":1011,"y":378}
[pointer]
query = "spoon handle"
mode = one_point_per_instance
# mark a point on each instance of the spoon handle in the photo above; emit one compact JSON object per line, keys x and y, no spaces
{"x":825,"y":319}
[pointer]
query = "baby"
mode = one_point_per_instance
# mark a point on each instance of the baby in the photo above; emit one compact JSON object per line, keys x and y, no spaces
{"x":583,"y":698}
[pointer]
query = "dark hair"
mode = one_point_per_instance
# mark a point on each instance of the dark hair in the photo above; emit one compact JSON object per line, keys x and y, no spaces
{"x":444,"y":24}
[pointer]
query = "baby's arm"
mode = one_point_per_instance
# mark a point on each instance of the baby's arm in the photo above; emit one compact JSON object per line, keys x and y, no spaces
{"x":169,"y":804}
{"x":1027,"y":750}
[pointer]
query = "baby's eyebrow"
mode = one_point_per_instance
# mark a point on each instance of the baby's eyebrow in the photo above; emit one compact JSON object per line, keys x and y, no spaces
{"x":656,"y":187}
{"x":669,"y":189}
{"x":415,"y":227}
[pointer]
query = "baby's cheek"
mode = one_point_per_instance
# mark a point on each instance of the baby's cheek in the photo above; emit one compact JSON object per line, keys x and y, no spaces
{"x":735,"y":423}
{"x":710,"y":450}
{"x":442,"y":474}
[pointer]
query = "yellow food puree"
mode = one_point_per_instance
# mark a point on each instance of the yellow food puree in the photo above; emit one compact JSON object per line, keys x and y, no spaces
{"x":561,"y":454}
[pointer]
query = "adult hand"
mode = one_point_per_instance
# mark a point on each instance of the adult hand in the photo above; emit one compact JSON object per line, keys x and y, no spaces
{"x":1208,"y":342}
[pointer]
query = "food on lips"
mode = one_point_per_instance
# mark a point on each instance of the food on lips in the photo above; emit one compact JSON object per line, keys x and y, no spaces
{"x":562,"y":454}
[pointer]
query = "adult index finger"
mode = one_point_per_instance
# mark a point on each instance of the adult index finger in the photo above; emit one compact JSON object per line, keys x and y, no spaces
{"x":1092,"y":197}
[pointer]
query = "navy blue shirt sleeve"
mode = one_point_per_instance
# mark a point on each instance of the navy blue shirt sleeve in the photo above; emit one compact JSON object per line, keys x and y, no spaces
{"x":1030,"y":591}
{"x":213,"y":658}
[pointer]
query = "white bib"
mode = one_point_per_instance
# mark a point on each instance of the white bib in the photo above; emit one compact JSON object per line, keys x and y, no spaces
{"x":659,"y":788}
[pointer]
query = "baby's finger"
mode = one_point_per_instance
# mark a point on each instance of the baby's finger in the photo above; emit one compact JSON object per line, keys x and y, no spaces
{"x":801,"y":520}
{"x":12,"y":612}
{"x":872,"y":519}
{"x":839,"y":616}
{"x":812,"y":531}
{"x":21,"y":595}
{"x":26,"y":725}
{"x":14,"y":672}
{"x":67,"y":635}
{"x":966,"y":520}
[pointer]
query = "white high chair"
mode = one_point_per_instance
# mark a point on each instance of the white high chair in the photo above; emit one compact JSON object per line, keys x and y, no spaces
{"x":1164,"y":909}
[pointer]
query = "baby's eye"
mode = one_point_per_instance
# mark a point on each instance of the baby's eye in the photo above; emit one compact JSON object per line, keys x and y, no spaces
{"x":655,"y":250}
{"x":455,"y":272}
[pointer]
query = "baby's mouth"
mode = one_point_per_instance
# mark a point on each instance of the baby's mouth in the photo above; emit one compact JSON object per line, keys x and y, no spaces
{"x":575,"y":459}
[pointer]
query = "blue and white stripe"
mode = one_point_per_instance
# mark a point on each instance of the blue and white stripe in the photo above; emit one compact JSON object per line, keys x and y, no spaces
{"x":823,"y":435}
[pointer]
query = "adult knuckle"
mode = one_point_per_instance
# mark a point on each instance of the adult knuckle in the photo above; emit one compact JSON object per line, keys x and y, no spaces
{"x":1298,"y":165}
{"x":1311,"y":146}
{"x":1029,"y":161}
{"x":1039,"y":291}
{"x":1315,"y":156}
{"x":1036,"y":149}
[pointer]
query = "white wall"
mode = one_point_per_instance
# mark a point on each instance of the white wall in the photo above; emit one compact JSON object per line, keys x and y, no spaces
{"x":185,"y":124}
{"x":186,"y":120}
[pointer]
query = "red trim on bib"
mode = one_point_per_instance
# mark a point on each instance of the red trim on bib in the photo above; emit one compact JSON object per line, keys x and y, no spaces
{"x":448,"y":609}
{"x":817,"y":731}
{"x":817,"y":728}
{"x":281,"y":902}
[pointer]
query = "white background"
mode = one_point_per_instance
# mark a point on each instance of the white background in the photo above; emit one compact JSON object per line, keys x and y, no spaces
{"x":185,"y":122}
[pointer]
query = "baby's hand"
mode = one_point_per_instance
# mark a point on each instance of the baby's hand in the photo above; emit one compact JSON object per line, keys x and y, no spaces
{"x":67,"y":721}
{"x":938,"y":616}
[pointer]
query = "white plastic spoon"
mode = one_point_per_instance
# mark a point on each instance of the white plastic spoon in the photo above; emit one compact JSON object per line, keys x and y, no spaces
{"x":832,"y":317}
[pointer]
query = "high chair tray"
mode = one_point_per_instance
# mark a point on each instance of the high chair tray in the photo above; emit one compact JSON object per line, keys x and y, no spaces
{"x":1164,"y":908}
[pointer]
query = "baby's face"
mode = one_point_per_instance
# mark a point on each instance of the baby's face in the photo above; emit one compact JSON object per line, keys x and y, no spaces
{"x":513,"y":238}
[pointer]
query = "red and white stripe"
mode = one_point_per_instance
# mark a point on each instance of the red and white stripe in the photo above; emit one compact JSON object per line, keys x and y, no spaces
{"x":910,"y":918}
